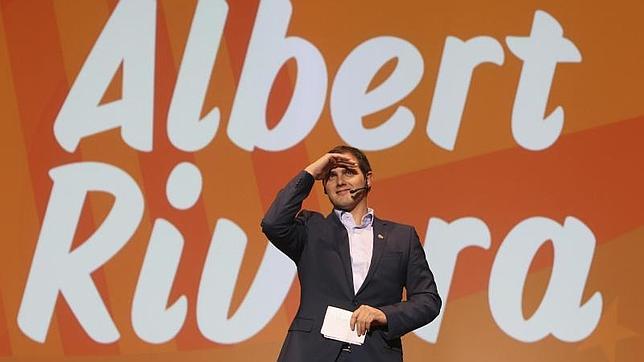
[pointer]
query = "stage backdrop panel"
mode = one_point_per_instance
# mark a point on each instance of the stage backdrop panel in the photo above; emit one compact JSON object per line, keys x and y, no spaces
{"x":142,"y":141}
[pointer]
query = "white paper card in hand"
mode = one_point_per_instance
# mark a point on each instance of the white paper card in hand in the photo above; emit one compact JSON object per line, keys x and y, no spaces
{"x":336,"y":326}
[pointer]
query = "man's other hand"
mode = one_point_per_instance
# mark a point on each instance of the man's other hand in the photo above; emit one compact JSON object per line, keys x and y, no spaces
{"x":366,"y":317}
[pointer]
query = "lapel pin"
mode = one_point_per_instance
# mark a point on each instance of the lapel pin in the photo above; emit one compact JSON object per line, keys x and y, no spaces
{"x":380,"y":236}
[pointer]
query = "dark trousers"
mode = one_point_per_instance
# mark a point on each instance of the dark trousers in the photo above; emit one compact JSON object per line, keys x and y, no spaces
{"x":345,"y":354}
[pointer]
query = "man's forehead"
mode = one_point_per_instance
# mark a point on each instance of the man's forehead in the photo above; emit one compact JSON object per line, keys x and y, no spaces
{"x":351,"y":156}
{"x":342,"y":168}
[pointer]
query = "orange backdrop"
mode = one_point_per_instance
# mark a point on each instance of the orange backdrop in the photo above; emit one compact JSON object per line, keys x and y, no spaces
{"x":592,"y":171}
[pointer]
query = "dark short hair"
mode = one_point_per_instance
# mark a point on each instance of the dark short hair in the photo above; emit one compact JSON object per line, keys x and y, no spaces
{"x":363,"y":162}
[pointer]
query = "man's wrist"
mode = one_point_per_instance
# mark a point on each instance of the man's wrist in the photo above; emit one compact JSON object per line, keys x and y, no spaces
{"x":383,"y":317}
{"x":309,"y":172}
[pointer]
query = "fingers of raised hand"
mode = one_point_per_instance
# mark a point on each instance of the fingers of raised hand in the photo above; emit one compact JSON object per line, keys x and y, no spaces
{"x":320,"y":168}
{"x":340,"y":160}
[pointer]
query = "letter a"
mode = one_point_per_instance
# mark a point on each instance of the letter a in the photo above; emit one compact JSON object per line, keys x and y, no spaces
{"x":561,"y":311}
{"x":127,"y":39}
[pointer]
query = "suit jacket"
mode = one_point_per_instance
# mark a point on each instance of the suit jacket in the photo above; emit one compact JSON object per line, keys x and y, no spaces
{"x":319,"y":246}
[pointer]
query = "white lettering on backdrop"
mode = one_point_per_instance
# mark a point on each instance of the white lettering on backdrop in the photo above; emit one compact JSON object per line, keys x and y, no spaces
{"x":561,"y":312}
{"x":128,"y":38}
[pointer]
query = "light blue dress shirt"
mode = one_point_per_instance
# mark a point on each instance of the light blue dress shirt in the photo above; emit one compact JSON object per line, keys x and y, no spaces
{"x":360,"y":244}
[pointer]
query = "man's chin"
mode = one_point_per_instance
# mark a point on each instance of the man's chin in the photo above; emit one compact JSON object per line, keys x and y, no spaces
{"x":344,"y":206}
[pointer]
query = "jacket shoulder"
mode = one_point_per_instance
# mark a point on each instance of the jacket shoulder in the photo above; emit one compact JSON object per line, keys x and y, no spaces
{"x":396,"y":225}
{"x":308,"y":215}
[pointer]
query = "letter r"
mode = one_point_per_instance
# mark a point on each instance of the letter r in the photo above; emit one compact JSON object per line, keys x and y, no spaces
{"x":56,"y":267}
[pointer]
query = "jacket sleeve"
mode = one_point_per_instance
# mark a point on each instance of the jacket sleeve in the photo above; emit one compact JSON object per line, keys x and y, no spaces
{"x":423,"y":302}
{"x":284,"y":224}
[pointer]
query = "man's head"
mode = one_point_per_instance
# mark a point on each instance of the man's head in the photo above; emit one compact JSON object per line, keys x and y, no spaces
{"x":339,"y":181}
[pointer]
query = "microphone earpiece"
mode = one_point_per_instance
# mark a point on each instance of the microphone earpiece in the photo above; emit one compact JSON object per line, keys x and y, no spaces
{"x":355,"y":191}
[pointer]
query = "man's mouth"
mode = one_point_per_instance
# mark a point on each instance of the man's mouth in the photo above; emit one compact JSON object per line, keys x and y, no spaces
{"x":343,"y":192}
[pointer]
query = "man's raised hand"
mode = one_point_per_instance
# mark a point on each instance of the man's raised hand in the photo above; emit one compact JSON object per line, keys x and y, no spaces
{"x":321,"y":167}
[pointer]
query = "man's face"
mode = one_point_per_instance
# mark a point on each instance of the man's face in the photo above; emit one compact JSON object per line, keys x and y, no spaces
{"x":341,"y":180}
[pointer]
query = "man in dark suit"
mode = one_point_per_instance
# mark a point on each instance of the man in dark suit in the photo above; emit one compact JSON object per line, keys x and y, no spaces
{"x":352,"y":260}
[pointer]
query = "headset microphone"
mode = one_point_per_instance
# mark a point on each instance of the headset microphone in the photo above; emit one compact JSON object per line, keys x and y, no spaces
{"x":355,"y":191}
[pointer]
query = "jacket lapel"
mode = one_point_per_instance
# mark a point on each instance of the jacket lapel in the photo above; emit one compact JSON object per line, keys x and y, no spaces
{"x":340,"y":234}
{"x":379,"y":242}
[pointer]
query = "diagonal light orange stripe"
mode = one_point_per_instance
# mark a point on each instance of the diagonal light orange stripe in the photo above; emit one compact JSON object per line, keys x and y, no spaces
{"x":594,"y":175}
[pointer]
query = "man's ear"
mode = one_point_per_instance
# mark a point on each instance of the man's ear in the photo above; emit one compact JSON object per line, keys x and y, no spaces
{"x":369,"y":179}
